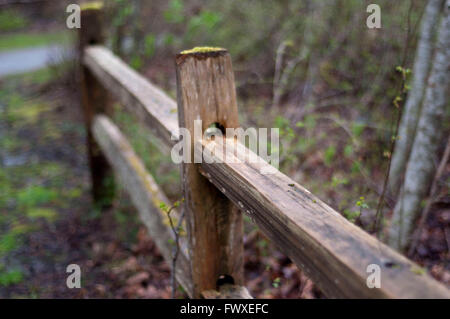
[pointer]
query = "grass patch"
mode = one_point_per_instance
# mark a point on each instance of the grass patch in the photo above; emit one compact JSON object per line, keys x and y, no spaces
{"x":39,"y":77}
{"x":36,"y":195}
{"x":11,"y":277}
{"x":46,"y":213}
{"x":25,"y":40}
{"x":8,"y":242}
{"x":11,"y":20}
{"x":25,"y":112}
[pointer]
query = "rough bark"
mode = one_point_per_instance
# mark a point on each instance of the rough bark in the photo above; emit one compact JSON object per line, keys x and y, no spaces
{"x":411,"y":112}
{"x":421,"y":165}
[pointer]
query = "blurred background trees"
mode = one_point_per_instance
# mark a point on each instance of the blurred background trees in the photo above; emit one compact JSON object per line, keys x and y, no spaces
{"x":423,"y":161}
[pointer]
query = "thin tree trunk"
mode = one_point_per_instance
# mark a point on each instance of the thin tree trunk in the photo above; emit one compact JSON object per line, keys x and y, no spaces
{"x":421,"y":164}
{"x":410,"y":117}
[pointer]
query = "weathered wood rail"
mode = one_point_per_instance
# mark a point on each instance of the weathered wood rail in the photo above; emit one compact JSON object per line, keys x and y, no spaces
{"x":329,"y":249}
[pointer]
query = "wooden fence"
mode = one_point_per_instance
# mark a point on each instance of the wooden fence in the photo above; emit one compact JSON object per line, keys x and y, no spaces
{"x":333,"y":252}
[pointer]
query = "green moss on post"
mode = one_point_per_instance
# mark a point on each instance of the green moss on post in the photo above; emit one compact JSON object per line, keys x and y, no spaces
{"x":202,"y":50}
{"x":93,"y":5}
{"x":200,"y":53}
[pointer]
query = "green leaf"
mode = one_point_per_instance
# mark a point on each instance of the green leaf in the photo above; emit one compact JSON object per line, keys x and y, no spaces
{"x":10,"y":277}
{"x":329,"y":155}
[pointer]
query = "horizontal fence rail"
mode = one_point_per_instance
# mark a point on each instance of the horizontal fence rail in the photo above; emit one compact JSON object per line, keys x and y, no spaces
{"x":332,"y":251}
{"x":150,"y":104}
{"x":145,"y":194}
{"x":328,"y":248}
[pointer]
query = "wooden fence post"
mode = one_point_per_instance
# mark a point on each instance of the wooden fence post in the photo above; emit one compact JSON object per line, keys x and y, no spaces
{"x":206,"y":91}
{"x":94,"y":100}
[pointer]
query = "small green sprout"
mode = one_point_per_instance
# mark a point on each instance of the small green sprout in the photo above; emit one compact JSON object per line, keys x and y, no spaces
{"x":276,"y":282}
{"x":418,"y":270}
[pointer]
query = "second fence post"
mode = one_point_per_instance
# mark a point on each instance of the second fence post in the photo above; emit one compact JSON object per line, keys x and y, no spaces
{"x":94,"y":100}
{"x":206,"y":92}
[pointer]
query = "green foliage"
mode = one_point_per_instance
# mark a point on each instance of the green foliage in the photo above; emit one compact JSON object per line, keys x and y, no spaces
{"x":36,"y":195}
{"x":357,"y":129}
{"x":356,"y":167}
{"x":73,"y":193}
{"x":336,"y":181}
{"x":205,"y":21}
{"x":330,"y":152}
{"x":108,"y":192}
{"x":168,"y":39}
{"x":8,"y":242}
{"x":276,"y":282}
{"x":165,"y":208}
{"x":11,"y":277}
{"x":348,"y":151}
{"x":11,"y":20}
{"x":136,"y":62}
{"x":25,"y":40}
{"x":149,"y":45}
{"x":120,"y":216}
{"x":354,"y":215}
{"x":263,"y":245}
{"x":124,"y":11}
{"x":362,"y":203}
{"x":46,"y":213}
{"x":284,"y":125}
{"x":310,"y":121}
{"x":300,"y":124}
{"x":350,"y":215}
{"x":174,"y":12}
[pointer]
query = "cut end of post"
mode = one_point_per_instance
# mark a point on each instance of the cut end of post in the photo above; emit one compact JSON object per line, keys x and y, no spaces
{"x":200,"y":53}
{"x":203,"y":50}
{"x":92,"y":5}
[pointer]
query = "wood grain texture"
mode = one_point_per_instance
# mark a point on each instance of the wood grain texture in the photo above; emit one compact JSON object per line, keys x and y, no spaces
{"x":149,"y":104}
{"x":333,"y":252}
{"x":94,"y":100}
{"x":145,"y":195}
{"x":206,"y":91}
